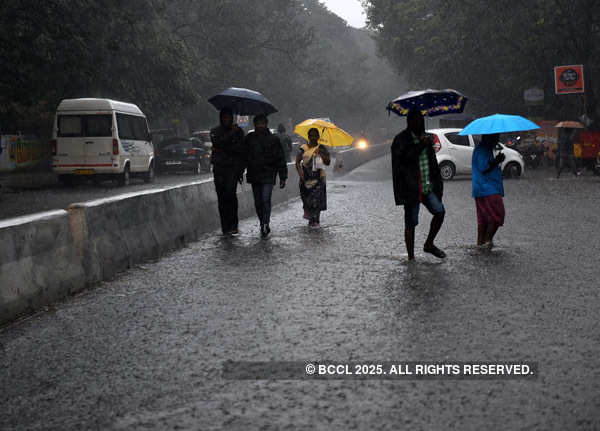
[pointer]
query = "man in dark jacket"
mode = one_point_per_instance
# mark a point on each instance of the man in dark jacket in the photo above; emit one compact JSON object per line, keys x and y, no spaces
{"x":286,"y":142}
{"x":229,"y":161}
{"x":417,"y":180}
{"x":265,"y":162}
{"x":565,"y":151}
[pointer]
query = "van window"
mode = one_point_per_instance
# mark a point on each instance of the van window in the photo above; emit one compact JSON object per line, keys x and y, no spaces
{"x":132,"y":127}
{"x":84,"y":125}
{"x":98,"y":125}
{"x":70,"y":125}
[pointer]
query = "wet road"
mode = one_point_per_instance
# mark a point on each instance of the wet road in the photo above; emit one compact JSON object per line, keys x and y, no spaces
{"x":15,"y":203}
{"x":145,"y":350}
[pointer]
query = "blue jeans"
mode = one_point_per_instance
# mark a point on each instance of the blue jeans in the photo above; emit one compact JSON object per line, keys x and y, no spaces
{"x":411,"y":212}
{"x":262,"y":201}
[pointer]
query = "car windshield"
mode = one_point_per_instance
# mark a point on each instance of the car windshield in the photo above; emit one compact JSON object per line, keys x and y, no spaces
{"x":177,"y":145}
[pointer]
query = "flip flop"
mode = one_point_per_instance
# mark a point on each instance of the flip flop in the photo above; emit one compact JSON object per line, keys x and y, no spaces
{"x":435,"y":251}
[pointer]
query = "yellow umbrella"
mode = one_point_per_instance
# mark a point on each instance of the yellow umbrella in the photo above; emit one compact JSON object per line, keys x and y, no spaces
{"x":331,"y":135}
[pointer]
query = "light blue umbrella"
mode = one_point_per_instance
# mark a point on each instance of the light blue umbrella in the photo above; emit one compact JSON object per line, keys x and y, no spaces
{"x":498,"y":123}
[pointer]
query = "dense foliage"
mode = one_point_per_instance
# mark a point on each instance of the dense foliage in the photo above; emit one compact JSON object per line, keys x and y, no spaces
{"x":493,"y":51}
{"x":170,"y":56}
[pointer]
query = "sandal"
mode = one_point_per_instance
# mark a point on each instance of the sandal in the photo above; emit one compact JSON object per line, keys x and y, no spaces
{"x":435,"y":251}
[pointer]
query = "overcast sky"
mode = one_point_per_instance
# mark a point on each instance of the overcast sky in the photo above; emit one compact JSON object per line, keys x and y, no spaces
{"x":350,"y":10}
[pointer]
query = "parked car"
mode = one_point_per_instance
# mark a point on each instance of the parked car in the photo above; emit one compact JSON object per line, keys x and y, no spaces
{"x":206,"y":149}
{"x":273,"y":131}
{"x":182,"y":154}
{"x":454,"y":153}
{"x":101,"y":138}
{"x":204,"y":136}
{"x":160,"y":135}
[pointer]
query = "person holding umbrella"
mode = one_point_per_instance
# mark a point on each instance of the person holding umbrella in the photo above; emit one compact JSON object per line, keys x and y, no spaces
{"x":311,"y":161}
{"x":312,"y":177}
{"x":265,"y":161}
{"x":416,"y":174}
{"x":566,"y":135}
{"x":416,"y":180}
{"x":229,"y":161}
{"x":230,"y":151}
{"x":488,"y":189}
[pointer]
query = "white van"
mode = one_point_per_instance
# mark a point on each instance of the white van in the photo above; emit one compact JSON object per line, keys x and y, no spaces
{"x":101,"y":138}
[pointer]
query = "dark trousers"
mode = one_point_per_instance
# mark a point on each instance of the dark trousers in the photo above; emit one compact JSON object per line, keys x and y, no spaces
{"x":567,"y":159}
{"x":262,"y":201}
{"x":226,"y":184}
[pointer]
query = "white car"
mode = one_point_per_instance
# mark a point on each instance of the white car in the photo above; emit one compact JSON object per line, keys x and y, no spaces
{"x":454,"y":153}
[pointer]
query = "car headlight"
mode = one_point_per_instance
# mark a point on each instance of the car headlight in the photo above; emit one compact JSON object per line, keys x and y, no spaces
{"x":362,"y":144}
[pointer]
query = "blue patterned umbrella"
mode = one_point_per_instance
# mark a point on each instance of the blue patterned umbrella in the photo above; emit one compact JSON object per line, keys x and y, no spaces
{"x":429,"y":102}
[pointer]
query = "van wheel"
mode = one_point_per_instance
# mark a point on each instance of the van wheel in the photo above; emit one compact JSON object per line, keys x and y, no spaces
{"x":447,"y":170}
{"x":149,"y":176}
{"x":512,"y":170}
{"x":124,"y":178}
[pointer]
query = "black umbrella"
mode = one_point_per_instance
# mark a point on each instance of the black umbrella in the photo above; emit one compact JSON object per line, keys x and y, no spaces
{"x":243,"y":102}
{"x":429,"y":102}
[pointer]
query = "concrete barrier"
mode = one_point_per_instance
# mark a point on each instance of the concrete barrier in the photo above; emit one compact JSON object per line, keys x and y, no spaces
{"x":49,"y":255}
{"x":38,"y":262}
{"x":113,"y":234}
{"x":348,"y":160}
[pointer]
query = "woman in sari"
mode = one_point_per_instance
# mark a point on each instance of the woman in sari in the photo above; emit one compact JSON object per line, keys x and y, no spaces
{"x":310,"y":163}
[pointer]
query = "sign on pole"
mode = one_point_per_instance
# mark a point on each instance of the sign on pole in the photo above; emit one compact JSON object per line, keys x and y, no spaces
{"x":243,"y":120}
{"x":569,"y":79}
{"x":534,"y":96}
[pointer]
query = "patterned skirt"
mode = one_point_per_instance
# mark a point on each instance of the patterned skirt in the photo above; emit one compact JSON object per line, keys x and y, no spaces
{"x":313,"y":192}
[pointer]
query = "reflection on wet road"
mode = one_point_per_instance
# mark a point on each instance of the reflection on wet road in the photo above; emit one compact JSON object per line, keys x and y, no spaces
{"x":145,"y":350}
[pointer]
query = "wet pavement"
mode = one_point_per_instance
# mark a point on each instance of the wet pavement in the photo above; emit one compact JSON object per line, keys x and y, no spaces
{"x":145,"y":351}
{"x":18,"y":202}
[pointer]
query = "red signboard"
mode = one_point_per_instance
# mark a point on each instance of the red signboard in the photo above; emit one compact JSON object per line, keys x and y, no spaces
{"x":568,"y":79}
{"x":590,"y":145}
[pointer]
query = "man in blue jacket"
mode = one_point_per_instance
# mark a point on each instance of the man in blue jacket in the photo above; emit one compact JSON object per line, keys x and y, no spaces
{"x":488,"y":190}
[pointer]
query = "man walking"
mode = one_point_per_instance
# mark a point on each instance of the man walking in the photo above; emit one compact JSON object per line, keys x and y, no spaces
{"x":286,"y":143}
{"x":565,"y":148}
{"x":229,"y":156}
{"x":417,"y":179}
{"x":265,"y":162}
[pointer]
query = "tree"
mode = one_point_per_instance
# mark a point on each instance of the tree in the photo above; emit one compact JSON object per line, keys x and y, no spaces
{"x":492,"y":51}
{"x":170,"y":56}
{"x":80,"y":48}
